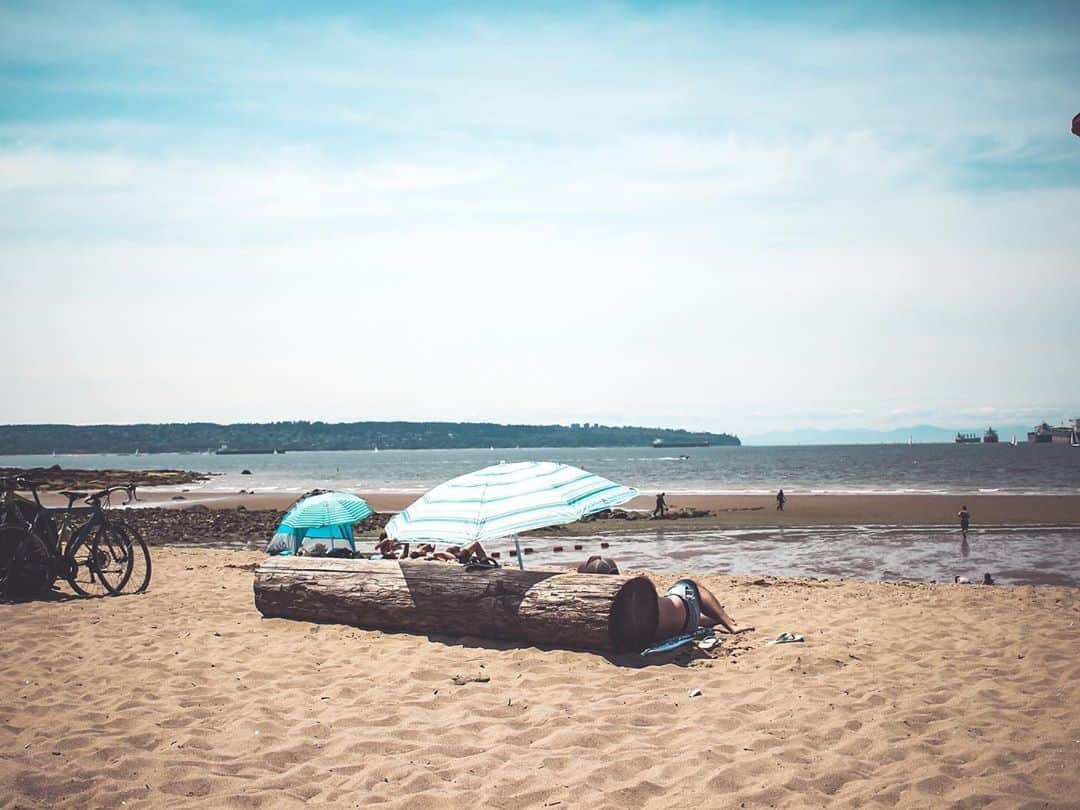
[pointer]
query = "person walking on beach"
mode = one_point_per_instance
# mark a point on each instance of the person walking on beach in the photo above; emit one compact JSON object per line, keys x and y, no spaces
{"x":965,"y":521}
{"x":661,"y":505}
{"x":780,"y":499}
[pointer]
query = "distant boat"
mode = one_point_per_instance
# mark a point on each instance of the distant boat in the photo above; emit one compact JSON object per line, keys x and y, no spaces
{"x":660,"y":443}
{"x":375,"y":449}
{"x":1066,"y":434}
{"x":909,"y":441}
{"x":966,"y":438}
{"x":492,"y":447}
{"x":1042,"y":434}
{"x":1013,"y":442}
{"x":990,"y":437}
{"x":136,"y":451}
{"x":225,"y":450}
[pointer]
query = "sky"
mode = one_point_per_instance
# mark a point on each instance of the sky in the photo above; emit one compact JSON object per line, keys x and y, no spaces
{"x":729,"y":217}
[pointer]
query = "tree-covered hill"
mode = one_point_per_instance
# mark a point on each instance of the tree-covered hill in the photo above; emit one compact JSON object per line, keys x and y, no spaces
{"x":201,"y":436}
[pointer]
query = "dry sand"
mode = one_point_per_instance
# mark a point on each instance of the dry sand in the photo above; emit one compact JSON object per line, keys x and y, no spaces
{"x":902,"y":695}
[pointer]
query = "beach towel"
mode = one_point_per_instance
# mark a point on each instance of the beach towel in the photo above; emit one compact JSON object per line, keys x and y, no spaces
{"x":676,"y":642}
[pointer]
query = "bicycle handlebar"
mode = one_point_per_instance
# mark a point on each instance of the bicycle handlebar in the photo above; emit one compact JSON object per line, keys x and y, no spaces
{"x":106,"y":494}
{"x":13,"y":483}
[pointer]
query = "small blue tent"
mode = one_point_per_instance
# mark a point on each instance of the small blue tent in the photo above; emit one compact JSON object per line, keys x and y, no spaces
{"x":322,"y":518}
{"x":287,"y":540}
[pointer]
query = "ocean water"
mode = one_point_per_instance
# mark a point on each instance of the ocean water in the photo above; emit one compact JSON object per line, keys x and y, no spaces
{"x":927,"y":468}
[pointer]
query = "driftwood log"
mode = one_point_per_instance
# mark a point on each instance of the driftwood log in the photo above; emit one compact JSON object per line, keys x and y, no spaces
{"x":543,"y":607}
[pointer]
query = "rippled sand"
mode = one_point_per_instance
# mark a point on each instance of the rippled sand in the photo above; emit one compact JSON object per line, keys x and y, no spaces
{"x":902,"y":695}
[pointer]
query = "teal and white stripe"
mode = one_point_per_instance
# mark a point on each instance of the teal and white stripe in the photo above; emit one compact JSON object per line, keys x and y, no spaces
{"x":328,"y":509}
{"x":504,"y":500}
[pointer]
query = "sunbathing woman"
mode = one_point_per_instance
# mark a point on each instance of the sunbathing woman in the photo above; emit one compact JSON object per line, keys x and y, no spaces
{"x":687,"y":606}
{"x":462,"y":554}
{"x":683,"y":609}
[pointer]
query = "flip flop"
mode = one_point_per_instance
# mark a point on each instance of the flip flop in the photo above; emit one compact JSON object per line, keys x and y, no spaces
{"x":787,"y":638}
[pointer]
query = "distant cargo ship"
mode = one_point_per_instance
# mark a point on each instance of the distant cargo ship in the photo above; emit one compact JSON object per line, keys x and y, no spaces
{"x":225,"y":450}
{"x":1042,"y":434}
{"x":1066,"y":434}
{"x":990,"y":437}
{"x":967,"y":438}
{"x":662,"y":443}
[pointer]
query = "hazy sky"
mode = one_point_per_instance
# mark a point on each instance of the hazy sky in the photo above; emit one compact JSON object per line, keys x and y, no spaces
{"x":730,"y":218}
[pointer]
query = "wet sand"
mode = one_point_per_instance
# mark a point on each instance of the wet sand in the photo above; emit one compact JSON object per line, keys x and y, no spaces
{"x":738,"y":510}
{"x":902,"y":695}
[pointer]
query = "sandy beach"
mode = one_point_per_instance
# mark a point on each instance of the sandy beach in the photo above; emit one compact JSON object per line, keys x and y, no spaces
{"x":901,"y":695}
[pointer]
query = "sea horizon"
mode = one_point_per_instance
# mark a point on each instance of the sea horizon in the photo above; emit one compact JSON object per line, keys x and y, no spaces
{"x":927,"y":469}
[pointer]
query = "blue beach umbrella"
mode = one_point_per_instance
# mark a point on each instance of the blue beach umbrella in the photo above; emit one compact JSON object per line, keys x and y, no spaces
{"x":506,"y":499}
{"x":328,"y":509}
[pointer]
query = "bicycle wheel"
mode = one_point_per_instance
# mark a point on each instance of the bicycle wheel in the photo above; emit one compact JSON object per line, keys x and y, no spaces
{"x":96,"y":569}
{"x":10,"y":537}
{"x":139,"y":578}
{"x":25,"y":564}
{"x":113,"y":555}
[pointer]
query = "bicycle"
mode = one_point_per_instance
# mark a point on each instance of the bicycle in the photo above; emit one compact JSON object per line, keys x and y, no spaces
{"x":117,"y":544}
{"x":103,"y":556}
{"x":122,"y":541}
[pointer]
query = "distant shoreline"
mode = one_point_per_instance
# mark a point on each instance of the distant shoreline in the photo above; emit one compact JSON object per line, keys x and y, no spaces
{"x":301,"y":436}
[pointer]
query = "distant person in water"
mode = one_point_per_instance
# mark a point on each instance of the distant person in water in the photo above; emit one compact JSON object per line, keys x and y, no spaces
{"x":965,"y":521}
{"x":684,"y":608}
{"x":781,"y":499}
{"x":661,"y":505}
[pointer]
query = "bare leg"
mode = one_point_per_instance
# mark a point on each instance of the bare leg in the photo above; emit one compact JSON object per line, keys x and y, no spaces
{"x":712,"y":613}
{"x":469,"y":550}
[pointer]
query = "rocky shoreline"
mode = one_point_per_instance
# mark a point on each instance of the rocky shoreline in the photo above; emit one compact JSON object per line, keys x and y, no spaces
{"x":238,"y":528}
{"x":56,"y":478}
{"x":251,"y":529}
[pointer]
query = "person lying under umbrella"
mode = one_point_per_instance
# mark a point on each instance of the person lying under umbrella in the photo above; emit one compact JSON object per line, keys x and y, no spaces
{"x":467,"y":554}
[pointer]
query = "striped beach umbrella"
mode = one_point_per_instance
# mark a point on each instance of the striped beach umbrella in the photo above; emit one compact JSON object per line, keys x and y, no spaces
{"x":327,"y":509}
{"x":504,"y":500}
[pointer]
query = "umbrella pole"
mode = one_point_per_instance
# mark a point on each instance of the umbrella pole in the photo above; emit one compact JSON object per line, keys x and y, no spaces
{"x":520,"y":556}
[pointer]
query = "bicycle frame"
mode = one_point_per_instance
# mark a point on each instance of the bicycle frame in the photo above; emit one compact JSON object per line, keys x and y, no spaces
{"x":62,"y":542}
{"x":57,"y":538}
